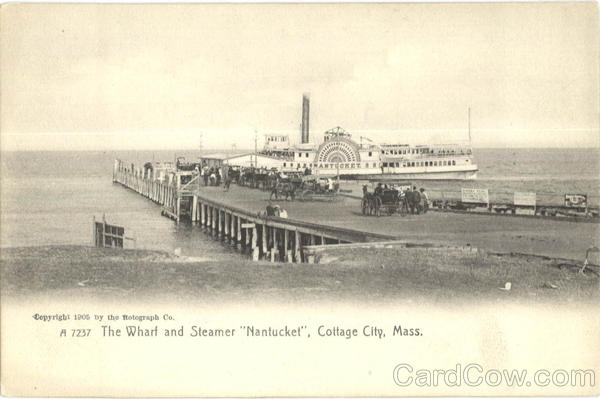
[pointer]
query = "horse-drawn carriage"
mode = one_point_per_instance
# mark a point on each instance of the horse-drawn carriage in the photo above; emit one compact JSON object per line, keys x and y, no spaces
{"x":306,"y":188}
{"x":286,"y":186}
{"x":384,"y":200}
{"x":257,"y":178}
{"x":235,"y":174}
{"x":322,"y":189}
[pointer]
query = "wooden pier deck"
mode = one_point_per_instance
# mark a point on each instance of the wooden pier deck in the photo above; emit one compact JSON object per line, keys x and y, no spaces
{"x":234,"y":216}
{"x":546,"y":237}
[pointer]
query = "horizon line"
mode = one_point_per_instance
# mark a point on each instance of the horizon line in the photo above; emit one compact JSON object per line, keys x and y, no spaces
{"x":250,"y":150}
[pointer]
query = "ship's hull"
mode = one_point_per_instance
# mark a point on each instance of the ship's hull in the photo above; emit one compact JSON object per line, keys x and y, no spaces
{"x":469,"y":173}
{"x":448,"y":175}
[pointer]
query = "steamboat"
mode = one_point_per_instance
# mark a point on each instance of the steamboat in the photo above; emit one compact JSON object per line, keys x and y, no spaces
{"x":340,"y":155}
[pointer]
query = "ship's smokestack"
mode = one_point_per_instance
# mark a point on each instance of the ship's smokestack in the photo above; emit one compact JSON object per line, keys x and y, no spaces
{"x":305,"y":117}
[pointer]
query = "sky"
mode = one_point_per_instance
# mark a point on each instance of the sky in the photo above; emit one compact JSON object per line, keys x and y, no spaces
{"x":98,"y":77}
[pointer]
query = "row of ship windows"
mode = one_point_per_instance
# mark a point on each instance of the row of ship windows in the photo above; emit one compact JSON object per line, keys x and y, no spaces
{"x":411,"y":164}
{"x":368,"y":164}
{"x":280,"y":139}
{"x":401,"y":152}
{"x":424,"y":151}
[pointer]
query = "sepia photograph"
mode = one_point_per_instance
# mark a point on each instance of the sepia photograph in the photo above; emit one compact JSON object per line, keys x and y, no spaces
{"x":300,"y":199}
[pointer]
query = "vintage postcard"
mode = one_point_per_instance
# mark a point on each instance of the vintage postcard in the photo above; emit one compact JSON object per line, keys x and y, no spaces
{"x":361,"y":199}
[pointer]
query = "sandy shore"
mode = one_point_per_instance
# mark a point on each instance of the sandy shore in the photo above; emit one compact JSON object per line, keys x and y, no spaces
{"x":387,"y":275}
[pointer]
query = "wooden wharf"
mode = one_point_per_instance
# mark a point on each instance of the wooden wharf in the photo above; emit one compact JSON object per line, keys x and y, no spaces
{"x":268,"y":238}
{"x":237,"y":218}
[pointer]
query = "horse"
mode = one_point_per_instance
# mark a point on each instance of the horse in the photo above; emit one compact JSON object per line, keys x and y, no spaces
{"x":283,"y":188}
{"x":246,"y":177}
{"x":234,"y":175}
{"x":370,"y":203}
{"x":261,"y":179}
{"x":271,"y":180}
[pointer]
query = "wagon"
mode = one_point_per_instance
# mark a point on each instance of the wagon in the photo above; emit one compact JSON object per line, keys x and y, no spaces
{"x":390,"y":201}
{"x":287,"y":187}
{"x":318,"y":189}
{"x":255,"y":178}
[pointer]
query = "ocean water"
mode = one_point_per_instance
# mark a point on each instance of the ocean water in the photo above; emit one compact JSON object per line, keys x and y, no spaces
{"x":50,"y":198}
{"x":550,"y":173}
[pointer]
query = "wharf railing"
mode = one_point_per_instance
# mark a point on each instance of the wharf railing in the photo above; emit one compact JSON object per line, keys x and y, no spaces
{"x":270,"y":238}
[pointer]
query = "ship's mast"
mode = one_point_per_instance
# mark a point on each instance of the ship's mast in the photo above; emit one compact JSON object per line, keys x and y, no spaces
{"x":255,"y":148}
{"x":338,"y":164}
{"x":469,"y":126}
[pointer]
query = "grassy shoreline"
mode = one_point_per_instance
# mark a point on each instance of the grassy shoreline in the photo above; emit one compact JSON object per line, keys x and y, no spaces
{"x":383,"y":274}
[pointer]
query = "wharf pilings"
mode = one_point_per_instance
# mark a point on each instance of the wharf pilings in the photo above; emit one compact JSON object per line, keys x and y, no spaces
{"x":262,"y":237}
